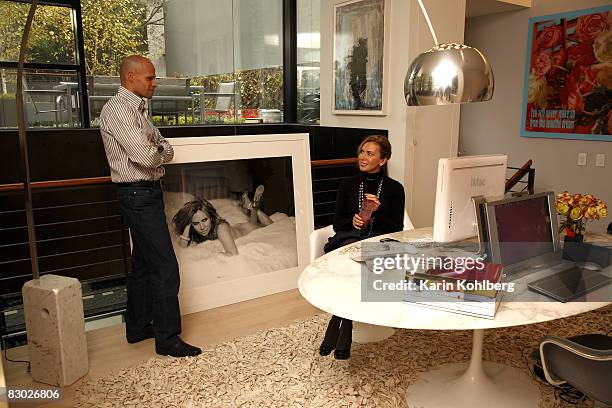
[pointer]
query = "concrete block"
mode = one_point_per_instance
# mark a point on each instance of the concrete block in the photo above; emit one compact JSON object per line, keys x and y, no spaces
{"x":53,"y":307}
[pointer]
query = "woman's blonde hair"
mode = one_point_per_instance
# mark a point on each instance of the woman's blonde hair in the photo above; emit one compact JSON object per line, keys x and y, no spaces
{"x":381,"y":141}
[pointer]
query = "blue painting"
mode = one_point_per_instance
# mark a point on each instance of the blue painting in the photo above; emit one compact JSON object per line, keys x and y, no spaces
{"x":359,"y":63}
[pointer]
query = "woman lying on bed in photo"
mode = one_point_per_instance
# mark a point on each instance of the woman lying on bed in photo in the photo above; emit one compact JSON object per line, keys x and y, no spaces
{"x":198,"y":221}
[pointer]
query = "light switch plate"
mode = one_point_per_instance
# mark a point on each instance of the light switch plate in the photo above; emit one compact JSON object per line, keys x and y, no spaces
{"x":600,"y":160}
{"x":582,"y":159}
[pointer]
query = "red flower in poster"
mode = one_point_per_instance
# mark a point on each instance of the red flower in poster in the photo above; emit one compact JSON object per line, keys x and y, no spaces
{"x":581,"y":54}
{"x":590,"y":25}
{"x":543,"y":64}
{"x":584,"y":77}
{"x":571,"y":97}
{"x":560,"y":58}
{"x":550,"y":37}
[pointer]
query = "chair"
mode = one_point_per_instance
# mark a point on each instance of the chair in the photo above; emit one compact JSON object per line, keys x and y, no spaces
{"x":173,"y":98}
{"x":585,"y":362}
{"x":224,"y":98}
{"x":362,"y":332}
{"x":54,"y":104}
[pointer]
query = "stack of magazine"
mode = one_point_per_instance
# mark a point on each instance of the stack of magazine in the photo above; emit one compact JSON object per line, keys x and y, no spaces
{"x":466,"y":290}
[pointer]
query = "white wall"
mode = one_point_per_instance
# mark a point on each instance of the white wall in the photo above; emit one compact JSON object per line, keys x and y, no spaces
{"x":494,"y":127}
{"x":433,"y":129}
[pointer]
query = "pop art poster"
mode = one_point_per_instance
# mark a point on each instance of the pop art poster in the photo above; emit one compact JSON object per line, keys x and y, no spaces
{"x":568,"y":76}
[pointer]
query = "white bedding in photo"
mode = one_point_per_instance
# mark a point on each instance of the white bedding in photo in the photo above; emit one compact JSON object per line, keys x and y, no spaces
{"x":266,"y":249}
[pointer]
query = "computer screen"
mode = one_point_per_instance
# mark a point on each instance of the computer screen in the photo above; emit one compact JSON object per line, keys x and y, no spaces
{"x":519,"y":228}
{"x":459,"y":180}
{"x":523,"y":229}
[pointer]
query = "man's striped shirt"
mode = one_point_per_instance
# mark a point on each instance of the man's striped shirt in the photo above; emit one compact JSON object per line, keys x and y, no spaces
{"x":132,"y":143}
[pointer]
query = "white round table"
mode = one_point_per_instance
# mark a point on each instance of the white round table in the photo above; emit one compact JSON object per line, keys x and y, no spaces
{"x":333,"y":283}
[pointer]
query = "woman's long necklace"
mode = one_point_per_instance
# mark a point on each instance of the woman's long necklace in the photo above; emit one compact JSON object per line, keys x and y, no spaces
{"x":362,"y":196}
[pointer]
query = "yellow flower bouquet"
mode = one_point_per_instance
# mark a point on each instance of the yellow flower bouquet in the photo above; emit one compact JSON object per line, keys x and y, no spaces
{"x":577,"y":210}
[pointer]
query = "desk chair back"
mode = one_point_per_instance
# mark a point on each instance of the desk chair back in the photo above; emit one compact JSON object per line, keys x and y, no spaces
{"x":318,"y":239}
{"x":584,"y":361}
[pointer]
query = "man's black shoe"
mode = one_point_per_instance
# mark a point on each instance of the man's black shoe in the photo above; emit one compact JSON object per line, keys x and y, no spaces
{"x":147,"y":333}
{"x":178,"y":349}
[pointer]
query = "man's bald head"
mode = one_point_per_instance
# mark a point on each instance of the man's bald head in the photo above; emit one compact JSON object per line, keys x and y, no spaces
{"x":137,"y":75}
{"x":132,"y":63}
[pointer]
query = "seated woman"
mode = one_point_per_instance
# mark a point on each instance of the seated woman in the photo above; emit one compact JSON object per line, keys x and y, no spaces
{"x":198,"y":221}
{"x":388,"y":200}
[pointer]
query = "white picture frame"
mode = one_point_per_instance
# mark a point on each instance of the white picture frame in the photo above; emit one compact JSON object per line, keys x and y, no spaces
{"x":221,"y":148}
{"x":357,"y":20}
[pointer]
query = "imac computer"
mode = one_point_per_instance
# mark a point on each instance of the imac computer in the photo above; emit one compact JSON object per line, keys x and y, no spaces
{"x":459,"y":180}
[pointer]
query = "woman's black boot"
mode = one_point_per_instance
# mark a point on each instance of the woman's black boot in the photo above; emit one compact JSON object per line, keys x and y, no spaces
{"x":331,"y":336}
{"x":343,"y":346}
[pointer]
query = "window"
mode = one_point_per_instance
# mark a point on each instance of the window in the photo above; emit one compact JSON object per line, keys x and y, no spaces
{"x":218,"y":62}
{"x":232,"y":53}
{"x":308,"y":61}
{"x":51,"y":74}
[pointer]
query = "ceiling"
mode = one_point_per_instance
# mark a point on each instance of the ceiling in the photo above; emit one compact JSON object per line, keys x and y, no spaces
{"x":475,"y":8}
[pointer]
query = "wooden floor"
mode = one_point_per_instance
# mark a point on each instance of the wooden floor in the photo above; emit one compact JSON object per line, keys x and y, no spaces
{"x":108,"y":350}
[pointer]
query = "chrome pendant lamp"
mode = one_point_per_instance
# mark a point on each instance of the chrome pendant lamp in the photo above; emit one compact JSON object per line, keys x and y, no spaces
{"x":448,"y":73}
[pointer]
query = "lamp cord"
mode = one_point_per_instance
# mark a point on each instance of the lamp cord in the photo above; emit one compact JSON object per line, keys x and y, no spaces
{"x":4,"y":346}
{"x":431,"y":30}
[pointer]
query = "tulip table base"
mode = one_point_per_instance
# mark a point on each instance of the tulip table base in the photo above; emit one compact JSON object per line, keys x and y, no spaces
{"x":474,"y":385}
{"x":370,"y":333}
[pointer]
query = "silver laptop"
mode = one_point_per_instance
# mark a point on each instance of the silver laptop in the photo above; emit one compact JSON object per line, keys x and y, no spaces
{"x":521,"y":233}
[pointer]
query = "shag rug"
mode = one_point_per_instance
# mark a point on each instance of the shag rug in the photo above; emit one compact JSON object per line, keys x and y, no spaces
{"x":281,"y":368}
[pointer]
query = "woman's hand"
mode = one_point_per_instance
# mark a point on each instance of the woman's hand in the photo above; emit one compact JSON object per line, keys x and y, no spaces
{"x":184,"y":237}
{"x":357,"y":222}
{"x":373,"y":198}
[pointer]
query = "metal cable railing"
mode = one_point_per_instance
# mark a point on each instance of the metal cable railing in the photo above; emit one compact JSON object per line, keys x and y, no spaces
{"x":79,"y":233}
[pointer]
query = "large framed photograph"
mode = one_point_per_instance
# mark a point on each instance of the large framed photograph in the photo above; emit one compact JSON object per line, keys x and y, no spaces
{"x":239,"y":211}
{"x":568,"y":76}
{"x":361,"y":42}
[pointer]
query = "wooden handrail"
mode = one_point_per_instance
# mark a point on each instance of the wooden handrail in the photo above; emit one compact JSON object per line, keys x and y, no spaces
{"x":57,"y":183}
{"x":104,"y":180}
{"x":333,"y":162}
{"x":520,"y":173}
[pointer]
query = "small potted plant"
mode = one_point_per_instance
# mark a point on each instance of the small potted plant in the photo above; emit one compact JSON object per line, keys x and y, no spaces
{"x":577,"y":210}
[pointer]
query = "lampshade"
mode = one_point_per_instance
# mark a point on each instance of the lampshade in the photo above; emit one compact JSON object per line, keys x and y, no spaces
{"x":448,"y":73}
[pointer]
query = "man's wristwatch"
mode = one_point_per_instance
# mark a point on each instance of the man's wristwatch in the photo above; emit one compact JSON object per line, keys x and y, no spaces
{"x":160,"y":149}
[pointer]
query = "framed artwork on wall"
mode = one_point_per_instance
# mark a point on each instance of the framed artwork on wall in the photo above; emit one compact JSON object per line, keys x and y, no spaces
{"x":361,"y":43}
{"x":568,"y":76}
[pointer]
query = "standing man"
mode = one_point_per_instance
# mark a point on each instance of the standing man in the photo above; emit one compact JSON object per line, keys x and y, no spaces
{"x":136,"y":151}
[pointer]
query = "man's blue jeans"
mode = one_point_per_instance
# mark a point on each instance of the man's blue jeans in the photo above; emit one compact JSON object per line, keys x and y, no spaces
{"x":153,"y":282}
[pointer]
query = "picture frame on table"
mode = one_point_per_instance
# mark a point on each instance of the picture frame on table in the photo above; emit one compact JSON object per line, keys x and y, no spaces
{"x":360,"y":57}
